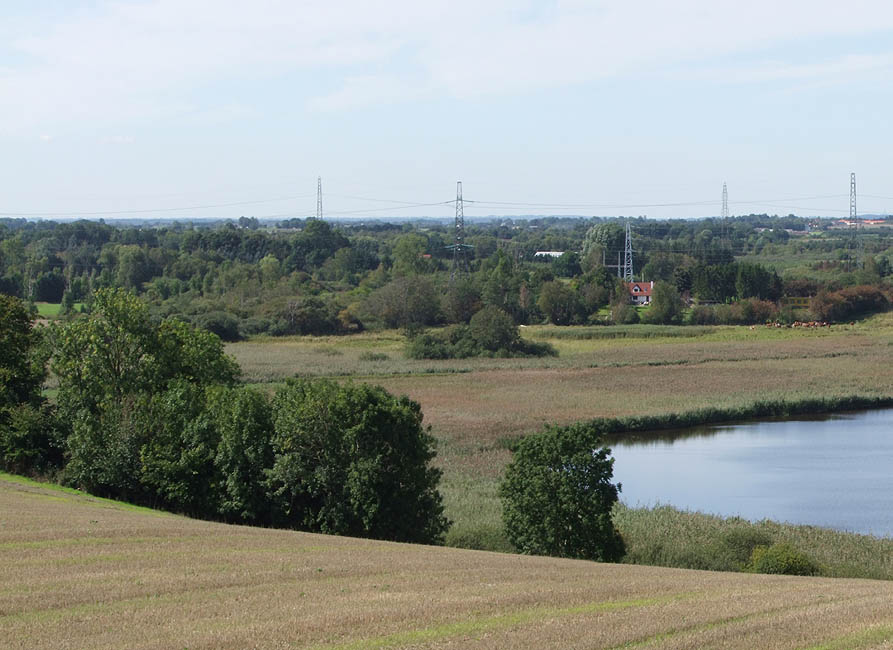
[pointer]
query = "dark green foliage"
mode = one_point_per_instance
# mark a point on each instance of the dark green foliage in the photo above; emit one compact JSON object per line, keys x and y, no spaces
{"x":714,"y":283}
{"x":132,"y":394}
{"x":116,"y":351}
{"x":404,"y":302}
{"x":557,"y":496}
{"x":310,"y":315}
{"x":461,"y":301}
{"x":492,"y":332}
{"x":353,"y":460}
{"x":103,"y":450}
{"x":622,"y":312}
{"x":560,"y":303}
{"x":221,"y":323}
{"x":493,"y":329}
{"x":743,"y":312}
{"x":30,"y":441}
{"x":782,"y":558}
{"x":21,"y":364}
{"x":754,"y":281}
{"x":667,"y":307}
{"x":243,"y":421}
{"x":178,"y":444}
{"x":154,"y":418}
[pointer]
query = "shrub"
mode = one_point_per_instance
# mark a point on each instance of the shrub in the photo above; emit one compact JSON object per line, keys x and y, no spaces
{"x":493,"y":330}
{"x":224,"y":325}
{"x":353,"y":460}
{"x":848,"y":303}
{"x":557,"y":496}
{"x":781,"y":558}
{"x":251,"y":326}
{"x":667,"y":307}
{"x":482,"y":537}
{"x":491,"y":333}
{"x":30,"y":442}
{"x":373,"y":356}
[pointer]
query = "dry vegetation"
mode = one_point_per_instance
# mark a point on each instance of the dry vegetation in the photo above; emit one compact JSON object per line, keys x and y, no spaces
{"x":475,"y":405}
{"x":81,"y":572}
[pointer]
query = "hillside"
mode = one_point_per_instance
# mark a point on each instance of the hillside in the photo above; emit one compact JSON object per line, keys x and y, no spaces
{"x":82,"y":572}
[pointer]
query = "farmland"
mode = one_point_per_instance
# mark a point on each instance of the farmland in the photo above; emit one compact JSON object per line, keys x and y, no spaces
{"x":475,"y":406}
{"x":78,"y":571}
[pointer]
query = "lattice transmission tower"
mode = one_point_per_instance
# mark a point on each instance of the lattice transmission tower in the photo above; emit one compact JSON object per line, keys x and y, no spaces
{"x":628,"y":254}
{"x":856,"y":223}
{"x":460,"y":263}
{"x":725,"y":214}
{"x":319,"y":197}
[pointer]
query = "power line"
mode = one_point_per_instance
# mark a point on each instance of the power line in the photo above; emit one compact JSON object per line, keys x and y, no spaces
{"x":145,"y":211}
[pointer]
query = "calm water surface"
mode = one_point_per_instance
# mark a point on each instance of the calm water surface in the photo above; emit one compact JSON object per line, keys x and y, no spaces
{"x":835,"y":472}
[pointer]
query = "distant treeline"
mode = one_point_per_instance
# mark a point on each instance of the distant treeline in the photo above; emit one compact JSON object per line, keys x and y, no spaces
{"x":311,"y":277}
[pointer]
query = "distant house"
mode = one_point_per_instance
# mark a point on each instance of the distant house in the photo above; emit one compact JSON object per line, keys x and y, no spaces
{"x":640,"y":292}
{"x":548,"y":254}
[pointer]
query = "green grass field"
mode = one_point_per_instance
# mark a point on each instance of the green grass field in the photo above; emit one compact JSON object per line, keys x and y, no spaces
{"x":82,"y":572}
{"x":51,"y":310}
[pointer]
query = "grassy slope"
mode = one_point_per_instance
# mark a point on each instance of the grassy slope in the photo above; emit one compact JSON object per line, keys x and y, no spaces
{"x":74,"y":569}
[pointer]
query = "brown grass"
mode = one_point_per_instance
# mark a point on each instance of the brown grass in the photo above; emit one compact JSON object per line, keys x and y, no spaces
{"x":472,"y":405}
{"x":80,"y":572}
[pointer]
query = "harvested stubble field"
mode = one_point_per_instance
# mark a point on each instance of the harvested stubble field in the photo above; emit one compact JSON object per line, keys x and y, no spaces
{"x":475,"y":405}
{"x":81,"y":572}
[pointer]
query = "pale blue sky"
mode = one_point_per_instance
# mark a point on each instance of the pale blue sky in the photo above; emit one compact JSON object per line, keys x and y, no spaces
{"x":593,"y":108}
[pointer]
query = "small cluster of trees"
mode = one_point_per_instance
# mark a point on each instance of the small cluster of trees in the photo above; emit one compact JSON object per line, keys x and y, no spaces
{"x":491,"y":332}
{"x":153,"y":414}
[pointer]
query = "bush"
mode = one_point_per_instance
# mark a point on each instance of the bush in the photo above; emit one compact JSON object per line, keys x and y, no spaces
{"x":224,"y":325}
{"x":493,"y":330}
{"x":781,"y":558}
{"x":251,"y":326}
{"x":30,"y":442}
{"x":667,"y":307}
{"x":491,"y":333}
{"x":848,"y":303}
{"x":353,"y":460}
{"x":483,"y":537}
{"x":557,"y":496}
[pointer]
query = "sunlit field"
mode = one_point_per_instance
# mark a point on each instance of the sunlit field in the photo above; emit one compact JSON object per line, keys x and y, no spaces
{"x":82,"y":572}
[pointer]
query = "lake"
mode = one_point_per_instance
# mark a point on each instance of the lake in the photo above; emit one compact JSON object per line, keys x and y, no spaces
{"x":835,"y":471}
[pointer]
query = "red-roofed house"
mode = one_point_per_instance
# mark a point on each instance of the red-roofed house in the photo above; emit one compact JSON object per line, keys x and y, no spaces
{"x":640,"y":292}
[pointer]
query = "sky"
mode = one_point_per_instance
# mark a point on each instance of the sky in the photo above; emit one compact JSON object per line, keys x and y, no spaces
{"x":220,"y":108}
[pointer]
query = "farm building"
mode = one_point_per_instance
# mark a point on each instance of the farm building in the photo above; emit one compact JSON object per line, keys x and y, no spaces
{"x":640,"y":292}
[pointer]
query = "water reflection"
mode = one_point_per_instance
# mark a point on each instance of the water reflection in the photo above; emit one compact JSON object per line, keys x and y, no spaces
{"x":833,"y":471}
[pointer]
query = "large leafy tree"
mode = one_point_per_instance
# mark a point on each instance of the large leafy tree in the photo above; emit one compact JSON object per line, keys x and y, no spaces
{"x":354,"y":460}
{"x":28,"y":438}
{"x":21,"y":367}
{"x":117,"y":351}
{"x":557,"y":496}
{"x":131,"y":393}
{"x":667,"y":307}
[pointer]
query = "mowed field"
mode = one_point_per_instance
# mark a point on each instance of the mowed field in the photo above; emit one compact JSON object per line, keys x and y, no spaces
{"x":82,"y":572}
{"x":475,"y":405}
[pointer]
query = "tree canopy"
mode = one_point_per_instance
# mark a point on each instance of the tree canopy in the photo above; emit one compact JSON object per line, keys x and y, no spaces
{"x":557,"y":496}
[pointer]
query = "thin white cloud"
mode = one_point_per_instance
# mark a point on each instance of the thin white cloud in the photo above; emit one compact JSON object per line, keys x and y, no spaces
{"x":131,"y":62}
